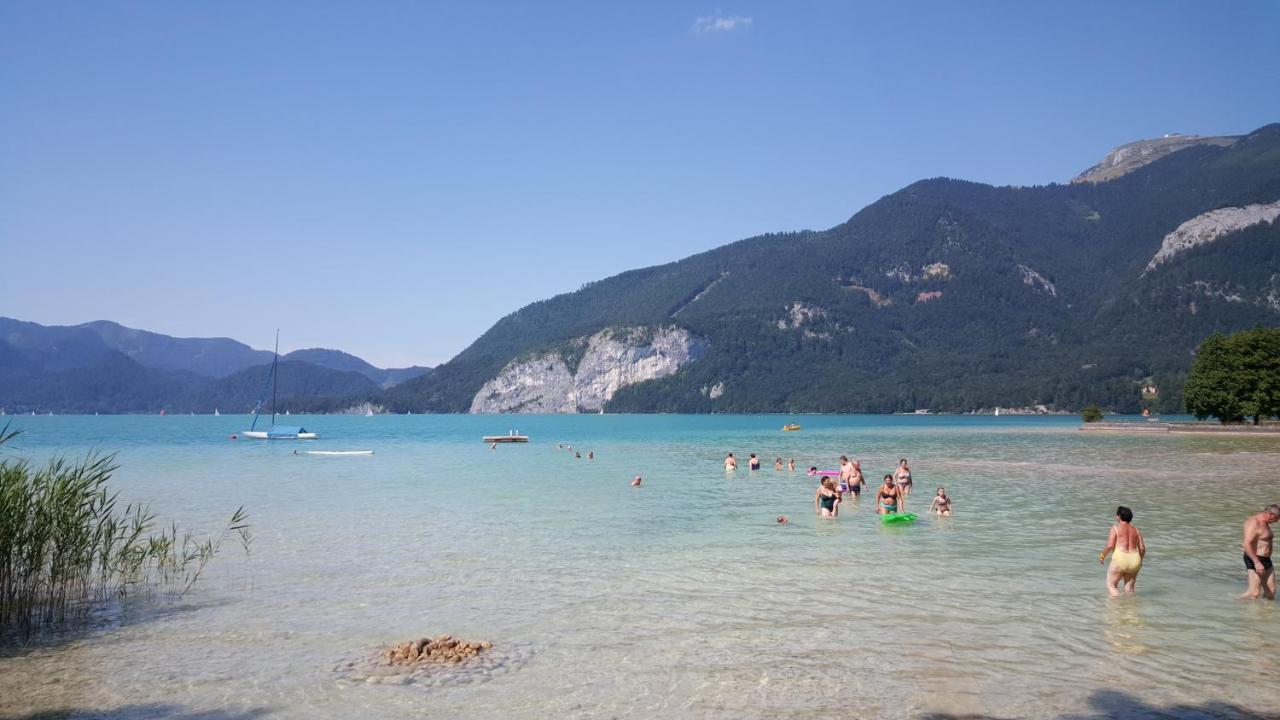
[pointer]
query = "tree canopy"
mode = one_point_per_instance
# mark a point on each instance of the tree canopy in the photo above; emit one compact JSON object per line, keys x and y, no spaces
{"x":1236,"y":376}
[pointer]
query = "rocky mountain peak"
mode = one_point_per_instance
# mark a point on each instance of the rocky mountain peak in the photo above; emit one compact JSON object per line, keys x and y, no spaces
{"x":1131,"y":156}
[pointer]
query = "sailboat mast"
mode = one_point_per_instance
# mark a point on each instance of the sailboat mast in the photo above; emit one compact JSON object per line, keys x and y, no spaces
{"x":275,"y":365}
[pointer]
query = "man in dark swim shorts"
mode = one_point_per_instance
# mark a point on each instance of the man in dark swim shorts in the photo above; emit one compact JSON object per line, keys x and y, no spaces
{"x":1257,"y":553}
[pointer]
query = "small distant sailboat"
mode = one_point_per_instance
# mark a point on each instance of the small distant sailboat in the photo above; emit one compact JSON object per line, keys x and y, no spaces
{"x":368,"y":412}
{"x":997,"y":412}
{"x":275,"y":432}
{"x":216,"y":413}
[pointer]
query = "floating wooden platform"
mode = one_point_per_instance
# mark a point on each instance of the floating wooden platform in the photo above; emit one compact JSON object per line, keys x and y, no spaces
{"x":506,"y":438}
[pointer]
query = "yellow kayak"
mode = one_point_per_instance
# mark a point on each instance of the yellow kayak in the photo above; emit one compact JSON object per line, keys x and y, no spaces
{"x":790,"y":428}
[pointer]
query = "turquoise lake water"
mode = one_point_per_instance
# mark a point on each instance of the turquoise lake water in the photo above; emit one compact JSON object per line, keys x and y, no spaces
{"x":681,"y":598}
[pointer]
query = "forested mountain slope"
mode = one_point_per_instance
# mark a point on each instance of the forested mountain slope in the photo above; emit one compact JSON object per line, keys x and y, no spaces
{"x":947,"y":294}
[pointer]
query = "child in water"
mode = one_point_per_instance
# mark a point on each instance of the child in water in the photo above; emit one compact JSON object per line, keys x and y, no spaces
{"x":941,"y":503}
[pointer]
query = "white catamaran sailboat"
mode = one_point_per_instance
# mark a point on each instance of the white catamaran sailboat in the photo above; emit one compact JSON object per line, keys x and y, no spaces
{"x":276,"y":432}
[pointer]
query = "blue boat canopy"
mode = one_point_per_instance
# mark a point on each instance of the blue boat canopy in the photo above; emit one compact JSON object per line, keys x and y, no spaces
{"x":285,"y":431}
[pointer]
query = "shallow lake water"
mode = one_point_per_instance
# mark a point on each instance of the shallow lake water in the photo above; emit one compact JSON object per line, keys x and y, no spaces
{"x":681,"y":598}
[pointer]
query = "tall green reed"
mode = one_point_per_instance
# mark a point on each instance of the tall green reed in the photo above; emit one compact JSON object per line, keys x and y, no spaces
{"x":67,"y":545}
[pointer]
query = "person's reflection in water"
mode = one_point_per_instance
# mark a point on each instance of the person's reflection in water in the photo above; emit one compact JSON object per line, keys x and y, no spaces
{"x":1126,"y":626}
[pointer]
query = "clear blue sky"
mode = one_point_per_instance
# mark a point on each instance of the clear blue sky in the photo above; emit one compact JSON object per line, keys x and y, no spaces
{"x":390,"y":178}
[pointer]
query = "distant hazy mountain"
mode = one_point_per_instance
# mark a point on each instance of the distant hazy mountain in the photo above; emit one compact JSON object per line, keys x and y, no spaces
{"x":947,"y":294}
{"x":338,"y":360}
{"x":297,"y":380}
{"x":212,"y":357}
{"x":105,"y":367}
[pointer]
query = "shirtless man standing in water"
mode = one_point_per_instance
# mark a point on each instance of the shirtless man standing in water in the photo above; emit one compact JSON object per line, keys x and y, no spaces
{"x":1257,"y":554}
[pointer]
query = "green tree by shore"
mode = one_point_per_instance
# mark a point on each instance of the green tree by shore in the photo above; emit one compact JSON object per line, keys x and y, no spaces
{"x":1236,"y":376}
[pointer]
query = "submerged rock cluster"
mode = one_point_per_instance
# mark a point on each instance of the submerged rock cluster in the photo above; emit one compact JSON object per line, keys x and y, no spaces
{"x":431,"y":662}
{"x":444,"y":649}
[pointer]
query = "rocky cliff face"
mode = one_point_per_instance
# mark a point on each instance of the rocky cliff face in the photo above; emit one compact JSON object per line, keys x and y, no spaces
{"x":1131,"y":156}
{"x":611,"y":360}
{"x":1207,"y":227}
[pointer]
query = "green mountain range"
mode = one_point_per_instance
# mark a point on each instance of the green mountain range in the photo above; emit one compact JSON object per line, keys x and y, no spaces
{"x":949,"y":295}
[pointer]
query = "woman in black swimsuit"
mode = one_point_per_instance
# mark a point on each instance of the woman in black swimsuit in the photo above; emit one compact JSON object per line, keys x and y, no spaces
{"x":888,"y":498}
{"x":824,"y":501}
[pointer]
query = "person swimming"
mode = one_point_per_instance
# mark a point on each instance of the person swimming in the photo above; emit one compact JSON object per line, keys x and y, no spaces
{"x":791,"y":464}
{"x":753,"y":462}
{"x":730,"y":462}
{"x":777,"y":464}
{"x":889,"y":498}
{"x":941,"y":503}
{"x":636,"y":482}
{"x":1129,"y":548}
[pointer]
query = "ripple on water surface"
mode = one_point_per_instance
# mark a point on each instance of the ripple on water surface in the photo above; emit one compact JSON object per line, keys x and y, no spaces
{"x":682,"y":598}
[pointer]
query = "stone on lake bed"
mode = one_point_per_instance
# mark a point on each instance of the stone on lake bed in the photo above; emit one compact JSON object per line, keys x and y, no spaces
{"x":439,"y":662}
{"x":444,"y":649}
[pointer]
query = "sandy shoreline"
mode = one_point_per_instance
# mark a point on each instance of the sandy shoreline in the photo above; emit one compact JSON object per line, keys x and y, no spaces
{"x":1181,"y":428}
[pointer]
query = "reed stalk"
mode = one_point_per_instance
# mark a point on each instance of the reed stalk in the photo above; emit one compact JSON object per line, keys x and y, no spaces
{"x":67,"y":545}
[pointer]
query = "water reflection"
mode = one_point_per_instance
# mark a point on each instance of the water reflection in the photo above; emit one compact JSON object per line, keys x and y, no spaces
{"x":1126,"y":624}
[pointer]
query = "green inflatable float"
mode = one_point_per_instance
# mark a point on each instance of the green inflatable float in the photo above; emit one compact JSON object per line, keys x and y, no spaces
{"x":898,"y":518}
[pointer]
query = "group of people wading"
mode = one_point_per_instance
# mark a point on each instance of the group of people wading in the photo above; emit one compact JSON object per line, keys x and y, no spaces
{"x":1125,"y":544}
{"x":833,"y":487}
{"x":891,"y":497}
